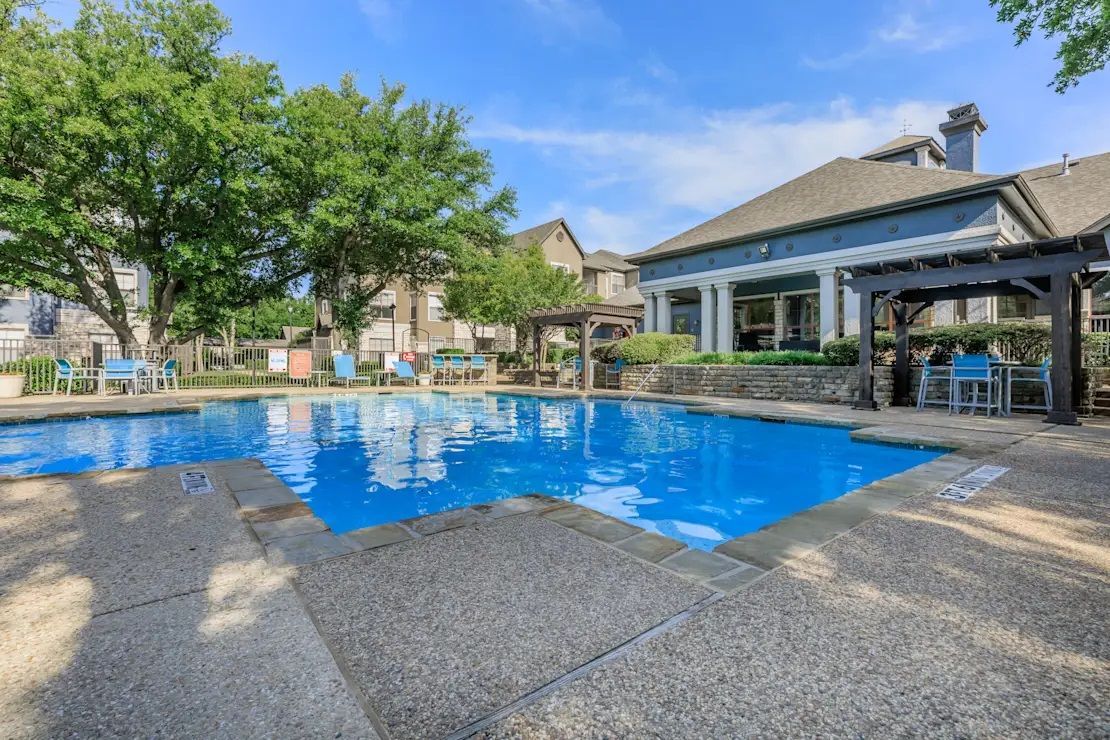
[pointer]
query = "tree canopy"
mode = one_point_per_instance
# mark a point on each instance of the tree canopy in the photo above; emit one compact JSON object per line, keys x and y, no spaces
{"x":1083,"y":24}
{"x":502,"y":288}
{"x":130,"y":139}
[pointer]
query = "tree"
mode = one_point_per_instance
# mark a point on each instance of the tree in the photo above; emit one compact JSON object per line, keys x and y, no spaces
{"x":130,"y":140}
{"x":1084,"y":24}
{"x":504,"y":288}
{"x":383,"y":192}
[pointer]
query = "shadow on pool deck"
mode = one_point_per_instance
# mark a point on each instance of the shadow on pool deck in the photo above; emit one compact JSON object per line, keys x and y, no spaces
{"x":130,"y":609}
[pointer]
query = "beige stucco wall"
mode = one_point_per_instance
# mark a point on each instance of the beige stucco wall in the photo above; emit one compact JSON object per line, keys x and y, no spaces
{"x":564,"y":251}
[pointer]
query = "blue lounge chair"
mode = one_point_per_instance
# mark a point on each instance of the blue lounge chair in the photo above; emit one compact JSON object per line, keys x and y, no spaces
{"x":404,"y":372}
{"x":439,"y":370}
{"x":345,"y":371}
{"x":478,"y":366}
{"x":125,"y":372}
{"x":458,"y":369}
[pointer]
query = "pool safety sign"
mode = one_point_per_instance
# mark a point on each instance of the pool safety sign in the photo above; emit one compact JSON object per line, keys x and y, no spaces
{"x":196,"y":481}
{"x":972,"y":483}
{"x":277,"y":360}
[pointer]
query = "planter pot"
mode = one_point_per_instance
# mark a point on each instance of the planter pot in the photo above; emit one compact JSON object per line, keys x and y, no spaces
{"x":424,"y":379}
{"x":11,"y":386}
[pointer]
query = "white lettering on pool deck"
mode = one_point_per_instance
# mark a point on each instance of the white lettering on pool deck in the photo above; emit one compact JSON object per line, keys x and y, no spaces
{"x":972,"y":483}
{"x":196,"y":481}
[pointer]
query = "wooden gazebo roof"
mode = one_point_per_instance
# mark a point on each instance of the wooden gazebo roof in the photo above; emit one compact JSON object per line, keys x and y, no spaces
{"x":596,"y":313}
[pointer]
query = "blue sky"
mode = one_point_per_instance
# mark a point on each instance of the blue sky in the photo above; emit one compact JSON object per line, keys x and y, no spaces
{"x":637,"y":120}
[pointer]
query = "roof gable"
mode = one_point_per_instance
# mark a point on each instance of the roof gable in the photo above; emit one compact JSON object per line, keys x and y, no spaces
{"x":1078,"y":201}
{"x":537,"y":235}
{"x":906,"y":142}
{"x":605,"y":260}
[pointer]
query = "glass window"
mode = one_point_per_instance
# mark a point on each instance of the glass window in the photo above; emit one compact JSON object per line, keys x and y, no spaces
{"x":11,"y":292}
{"x":412,"y":306}
{"x":1021,"y":307}
{"x":561,"y":266}
{"x":616,"y":282}
{"x":803,"y":320}
{"x":435,"y":307}
{"x":128,"y":283}
{"x":1100,"y":297}
{"x":680,"y":324}
{"x":379,"y":305}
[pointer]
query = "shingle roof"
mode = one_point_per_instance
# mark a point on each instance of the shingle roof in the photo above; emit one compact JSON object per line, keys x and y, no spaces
{"x":627,"y":297}
{"x":1077,"y":200}
{"x":534,"y":235}
{"x":840,"y":187}
{"x":902,"y":142}
{"x":605,"y":260}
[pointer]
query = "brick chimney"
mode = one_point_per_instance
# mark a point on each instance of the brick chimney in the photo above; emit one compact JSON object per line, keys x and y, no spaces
{"x":961,"y":137}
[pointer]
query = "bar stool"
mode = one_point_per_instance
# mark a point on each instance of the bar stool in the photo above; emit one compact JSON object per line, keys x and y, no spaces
{"x":968,"y":373}
{"x":930,"y":372}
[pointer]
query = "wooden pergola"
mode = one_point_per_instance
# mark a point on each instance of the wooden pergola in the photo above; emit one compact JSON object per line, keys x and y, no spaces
{"x":586,"y":317}
{"x":1056,"y":270}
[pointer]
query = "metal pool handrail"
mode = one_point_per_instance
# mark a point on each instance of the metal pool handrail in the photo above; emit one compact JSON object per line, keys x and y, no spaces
{"x":643,"y":382}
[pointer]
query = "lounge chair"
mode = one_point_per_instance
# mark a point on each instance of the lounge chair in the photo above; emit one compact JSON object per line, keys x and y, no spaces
{"x":439,"y":370}
{"x":458,"y":369}
{"x":478,"y":367}
{"x":345,"y":371}
{"x":403,"y":372}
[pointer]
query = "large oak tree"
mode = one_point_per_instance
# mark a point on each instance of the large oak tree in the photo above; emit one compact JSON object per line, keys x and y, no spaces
{"x":130,"y":139}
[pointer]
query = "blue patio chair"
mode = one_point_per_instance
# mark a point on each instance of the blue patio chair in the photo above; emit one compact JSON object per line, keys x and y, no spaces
{"x":439,"y":370}
{"x":404,"y":372}
{"x":1041,"y":374}
{"x":166,"y":375}
{"x":969,"y":372}
{"x":478,"y":366}
{"x":458,"y":369}
{"x":345,"y":371}
{"x":65,"y":371}
{"x":613,"y":373}
{"x":930,"y":372}
{"x":124,"y":372}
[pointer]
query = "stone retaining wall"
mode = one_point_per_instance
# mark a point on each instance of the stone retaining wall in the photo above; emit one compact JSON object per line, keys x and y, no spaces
{"x":815,"y":383}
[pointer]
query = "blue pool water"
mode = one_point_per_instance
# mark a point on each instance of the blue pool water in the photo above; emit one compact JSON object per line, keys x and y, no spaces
{"x":360,"y":460}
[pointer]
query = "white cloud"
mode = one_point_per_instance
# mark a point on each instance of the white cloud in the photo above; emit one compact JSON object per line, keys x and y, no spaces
{"x":676,"y":178}
{"x":384,"y":17}
{"x":729,"y":156}
{"x":560,"y":21}
{"x":903,"y":34}
{"x":658,"y":69}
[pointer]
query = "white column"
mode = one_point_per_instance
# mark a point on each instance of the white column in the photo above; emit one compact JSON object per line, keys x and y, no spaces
{"x":724,"y":318}
{"x":708,"y":330}
{"x":851,"y":312}
{"x":828,"y":305}
{"x":649,"y":312}
{"x":663,"y":313}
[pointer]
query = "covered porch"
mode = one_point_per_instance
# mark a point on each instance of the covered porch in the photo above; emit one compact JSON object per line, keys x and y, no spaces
{"x":1052,"y":270}
{"x":587,"y":318}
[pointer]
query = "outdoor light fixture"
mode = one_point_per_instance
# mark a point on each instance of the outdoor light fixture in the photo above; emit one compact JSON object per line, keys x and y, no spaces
{"x":764,"y":250}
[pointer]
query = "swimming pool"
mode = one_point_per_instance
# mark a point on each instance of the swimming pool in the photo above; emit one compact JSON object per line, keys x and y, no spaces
{"x":361,"y":460}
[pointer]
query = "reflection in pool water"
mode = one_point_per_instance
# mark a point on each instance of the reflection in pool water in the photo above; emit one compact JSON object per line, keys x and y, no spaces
{"x":360,"y":460}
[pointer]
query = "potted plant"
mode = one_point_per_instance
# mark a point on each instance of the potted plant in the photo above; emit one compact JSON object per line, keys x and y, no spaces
{"x":11,"y":385}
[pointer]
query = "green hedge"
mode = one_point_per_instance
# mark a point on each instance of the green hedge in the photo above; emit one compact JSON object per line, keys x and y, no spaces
{"x":645,"y":349}
{"x":451,"y":351}
{"x":39,"y":371}
{"x":768,"y":357}
{"x":1028,"y":343}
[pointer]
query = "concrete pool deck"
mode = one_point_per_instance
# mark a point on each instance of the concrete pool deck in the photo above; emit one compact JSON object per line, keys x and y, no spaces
{"x":128,"y":608}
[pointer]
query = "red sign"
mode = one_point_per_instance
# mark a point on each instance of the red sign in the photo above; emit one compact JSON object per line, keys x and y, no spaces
{"x":408,"y":357}
{"x":300,"y":363}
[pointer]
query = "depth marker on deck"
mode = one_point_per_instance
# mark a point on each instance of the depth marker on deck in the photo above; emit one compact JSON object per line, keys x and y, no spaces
{"x":194,"y":482}
{"x":970,"y":484}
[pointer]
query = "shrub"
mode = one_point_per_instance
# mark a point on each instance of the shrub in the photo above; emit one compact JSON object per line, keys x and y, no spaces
{"x":38,"y":369}
{"x":768,"y":357}
{"x":650,"y":348}
{"x":561,"y":354}
{"x":607,"y":353}
{"x":846,"y":351}
{"x":451,"y":351}
{"x":1027,"y":343}
{"x":1096,"y":349}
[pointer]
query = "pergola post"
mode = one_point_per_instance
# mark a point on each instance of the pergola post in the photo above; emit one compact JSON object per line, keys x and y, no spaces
{"x":901,"y":355}
{"x":1076,"y":343}
{"x":866,"y":398}
{"x":1063,"y":356}
{"x":585,"y":329}
{"x":535,"y":356}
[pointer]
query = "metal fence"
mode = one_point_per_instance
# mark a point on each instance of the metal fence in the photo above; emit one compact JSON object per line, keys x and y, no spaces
{"x":204,"y":366}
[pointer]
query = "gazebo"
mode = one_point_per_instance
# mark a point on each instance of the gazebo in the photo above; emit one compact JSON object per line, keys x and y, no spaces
{"x":1056,"y":270}
{"x":586,"y":317}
